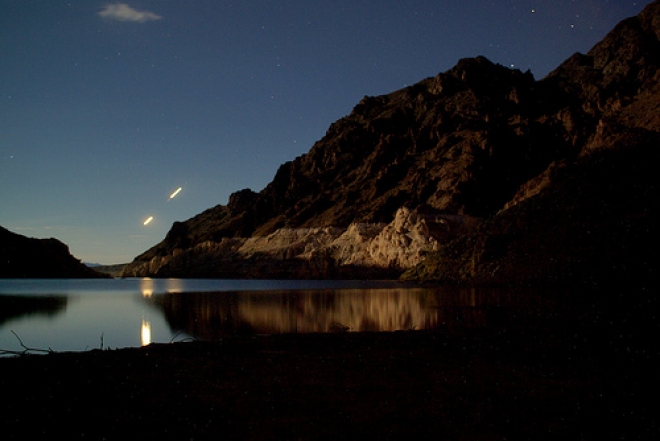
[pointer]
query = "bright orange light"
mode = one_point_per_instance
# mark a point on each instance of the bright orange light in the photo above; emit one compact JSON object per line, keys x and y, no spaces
{"x":149,"y":219}
{"x":145,"y":333}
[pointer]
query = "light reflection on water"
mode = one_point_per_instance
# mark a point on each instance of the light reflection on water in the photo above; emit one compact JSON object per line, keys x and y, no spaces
{"x":85,"y":314}
{"x":210,"y":316}
{"x":145,"y":333}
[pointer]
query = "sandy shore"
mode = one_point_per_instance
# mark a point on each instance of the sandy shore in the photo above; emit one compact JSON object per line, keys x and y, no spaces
{"x":464,"y":384}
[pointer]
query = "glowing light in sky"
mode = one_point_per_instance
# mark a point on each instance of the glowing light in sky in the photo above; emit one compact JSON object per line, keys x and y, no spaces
{"x":176,"y":192}
{"x":149,"y":219}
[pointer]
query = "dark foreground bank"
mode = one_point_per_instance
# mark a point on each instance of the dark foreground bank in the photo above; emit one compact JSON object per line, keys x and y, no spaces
{"x":555,"y":380}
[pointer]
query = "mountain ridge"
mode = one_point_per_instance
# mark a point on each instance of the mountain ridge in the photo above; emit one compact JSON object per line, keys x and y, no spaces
{"x":473,"y":142}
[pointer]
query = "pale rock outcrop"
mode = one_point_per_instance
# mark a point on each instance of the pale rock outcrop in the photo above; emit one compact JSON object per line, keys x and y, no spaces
{"x":352,"y":247}
{"x":399,"y":245}
{"x":404,"y":242}
{"x":288,"y":243}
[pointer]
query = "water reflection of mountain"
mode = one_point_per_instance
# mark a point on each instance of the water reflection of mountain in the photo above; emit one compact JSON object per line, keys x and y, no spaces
{"x":214,"y":315}
{"x":12,"y":307}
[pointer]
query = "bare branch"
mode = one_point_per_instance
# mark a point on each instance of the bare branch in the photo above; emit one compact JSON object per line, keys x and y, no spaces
{"x":26,"y":349}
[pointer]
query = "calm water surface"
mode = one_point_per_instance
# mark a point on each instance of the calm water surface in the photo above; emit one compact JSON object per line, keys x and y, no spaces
{"x":76,"y":315}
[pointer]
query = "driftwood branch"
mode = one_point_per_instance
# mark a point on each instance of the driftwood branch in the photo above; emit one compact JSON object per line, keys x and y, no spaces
{"x":26,"y":349}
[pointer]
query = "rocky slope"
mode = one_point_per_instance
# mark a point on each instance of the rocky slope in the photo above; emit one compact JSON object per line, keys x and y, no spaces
{"x":591,"y":219}
{"x":361,"y":250}
{"x":24,"y":257}
{"x":443,"y":166}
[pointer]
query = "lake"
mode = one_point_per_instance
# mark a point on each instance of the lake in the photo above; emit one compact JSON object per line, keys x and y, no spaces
{"x":83,"y":314}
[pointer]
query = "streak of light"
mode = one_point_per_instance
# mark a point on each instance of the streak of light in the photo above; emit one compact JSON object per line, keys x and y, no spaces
{"x":149,"y":219}
{"x":176,"y":192}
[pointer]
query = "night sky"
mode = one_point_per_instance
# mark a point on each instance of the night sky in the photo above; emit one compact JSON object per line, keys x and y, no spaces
{"x":107,"y":108}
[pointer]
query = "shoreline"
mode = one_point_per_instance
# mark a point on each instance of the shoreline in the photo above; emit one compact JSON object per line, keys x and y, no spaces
{"x":464,"y":383}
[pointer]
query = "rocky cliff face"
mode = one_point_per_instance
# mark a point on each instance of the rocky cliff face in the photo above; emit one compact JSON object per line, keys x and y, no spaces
{"x":590,"y":219}
{"x":361,"y":250}
{"x":23,"y":257}
{"x":413,"y":172}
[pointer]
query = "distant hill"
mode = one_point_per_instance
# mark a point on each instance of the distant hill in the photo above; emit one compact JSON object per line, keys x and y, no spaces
{"x":111,"y":270}
{"x":24,"y":257}
{"x":481,"y":173}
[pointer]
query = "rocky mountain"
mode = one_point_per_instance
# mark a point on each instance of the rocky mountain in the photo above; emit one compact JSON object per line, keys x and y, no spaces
{"x":590,"y":219}
{"x":481,"y":173}
{"x":24,"y":257}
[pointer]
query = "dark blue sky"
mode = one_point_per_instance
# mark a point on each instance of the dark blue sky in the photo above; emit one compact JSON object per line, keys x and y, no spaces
{"x":107,"y":108}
